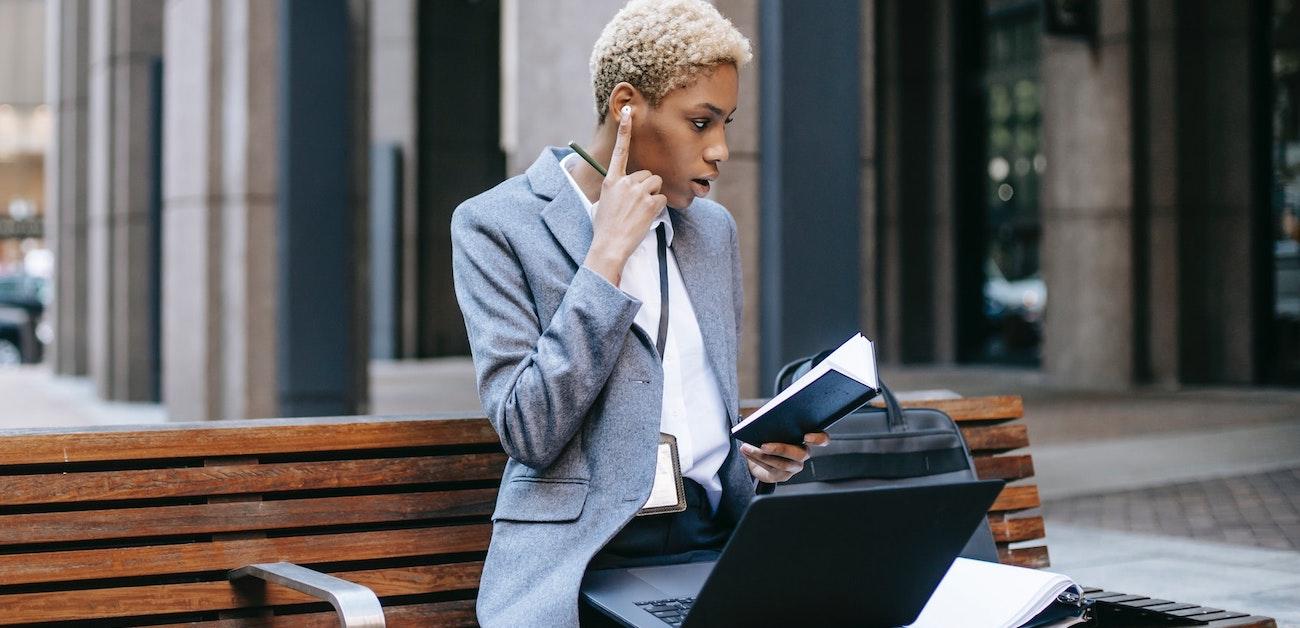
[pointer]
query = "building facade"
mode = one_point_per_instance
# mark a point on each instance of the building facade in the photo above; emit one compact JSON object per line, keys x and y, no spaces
{"x":1101,"y":190}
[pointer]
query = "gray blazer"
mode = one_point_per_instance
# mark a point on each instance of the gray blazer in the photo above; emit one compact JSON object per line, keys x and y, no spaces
{"x":572,"y":387}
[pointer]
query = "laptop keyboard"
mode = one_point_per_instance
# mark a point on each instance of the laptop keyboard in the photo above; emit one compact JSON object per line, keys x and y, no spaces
{"x":672,"y":612}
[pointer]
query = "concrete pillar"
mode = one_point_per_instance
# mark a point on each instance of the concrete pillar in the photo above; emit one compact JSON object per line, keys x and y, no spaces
{"x":65,"y":171}
{"x":249,"y":180}
{"x":917,"y":316}
{"x":126,"y":40}
{"x":738,"y":191}
{"x":1158,"y":193}
{"x":393,"y":89}
{"x":1087,"y":205}
{"x":192,"y":228}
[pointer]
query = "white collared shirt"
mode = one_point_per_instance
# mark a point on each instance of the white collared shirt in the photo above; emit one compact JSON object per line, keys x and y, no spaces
{"x":700,"y":426}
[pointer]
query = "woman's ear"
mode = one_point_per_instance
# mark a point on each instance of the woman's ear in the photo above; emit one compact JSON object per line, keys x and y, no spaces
{"x":622,"y":95}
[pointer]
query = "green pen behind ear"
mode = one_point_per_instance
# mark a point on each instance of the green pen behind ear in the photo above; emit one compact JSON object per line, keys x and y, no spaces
{"x":591,"y":160}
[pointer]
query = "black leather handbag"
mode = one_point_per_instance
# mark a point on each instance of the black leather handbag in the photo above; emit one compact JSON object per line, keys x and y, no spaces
{"x":887,"y":446}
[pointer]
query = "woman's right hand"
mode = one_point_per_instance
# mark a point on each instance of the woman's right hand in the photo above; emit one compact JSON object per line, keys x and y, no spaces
{"x":628,"y":204}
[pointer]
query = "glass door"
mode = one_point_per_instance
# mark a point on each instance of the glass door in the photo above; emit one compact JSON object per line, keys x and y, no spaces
{"x":1285,"y":228}
{"x":1010,"y":321}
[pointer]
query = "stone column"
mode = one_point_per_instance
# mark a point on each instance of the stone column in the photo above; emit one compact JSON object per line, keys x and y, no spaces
{"x":191,"y":223}
{"x":1157,"y":194}
{"x":125,"y":41}
{"x":1087,"y":207}
{"x":738,"y":191}
{"x":393,"y":89}
{"x":249,"y":180}
{"x":65,"y":173}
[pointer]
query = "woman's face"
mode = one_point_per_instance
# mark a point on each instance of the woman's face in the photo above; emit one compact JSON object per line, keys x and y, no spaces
{"x":685,"y":138}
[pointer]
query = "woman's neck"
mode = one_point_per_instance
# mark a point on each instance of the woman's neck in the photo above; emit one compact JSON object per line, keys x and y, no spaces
{"x":588,"y":180}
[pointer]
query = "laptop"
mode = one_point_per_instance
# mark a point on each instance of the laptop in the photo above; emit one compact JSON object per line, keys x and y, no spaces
{"x":860,"y":557}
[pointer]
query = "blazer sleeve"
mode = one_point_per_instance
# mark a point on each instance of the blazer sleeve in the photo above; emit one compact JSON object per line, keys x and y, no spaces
{"x":536,"y":382}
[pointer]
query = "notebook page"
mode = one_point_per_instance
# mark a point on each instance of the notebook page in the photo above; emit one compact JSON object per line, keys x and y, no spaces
{"x":857,"y":359}
{"x":978,"y":594}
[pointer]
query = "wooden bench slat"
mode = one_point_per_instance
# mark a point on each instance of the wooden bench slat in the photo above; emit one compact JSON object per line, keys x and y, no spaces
{"x":995,"y":437}
{"x":455,"y":614}
{"x":991,"y":408}
{"x":222,"y":438}
{"x":1032,"y":557}
{"x":1008,"y":468}
{"x":1019,"y":529}
{"x":1016,"y":498}
{"x":162,"y":599}
{"x":156,"y":560}
{"x":56,"y":527}
{"x":237,"y":479}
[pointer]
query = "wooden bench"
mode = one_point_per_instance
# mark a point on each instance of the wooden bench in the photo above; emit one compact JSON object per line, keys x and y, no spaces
{"x":183,"y":524}
{"x":145,"y":524}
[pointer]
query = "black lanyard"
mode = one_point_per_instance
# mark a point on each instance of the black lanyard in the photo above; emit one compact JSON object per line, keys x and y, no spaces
{"x":662,"y":234}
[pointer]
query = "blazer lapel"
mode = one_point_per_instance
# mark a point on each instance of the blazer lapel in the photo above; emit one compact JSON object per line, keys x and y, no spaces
{"x":565,"y":215}
{"x":711,"y":299}
{"x":568,"y":221}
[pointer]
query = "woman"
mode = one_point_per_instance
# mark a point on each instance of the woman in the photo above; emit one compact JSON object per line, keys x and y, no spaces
{"x":604,"y":310}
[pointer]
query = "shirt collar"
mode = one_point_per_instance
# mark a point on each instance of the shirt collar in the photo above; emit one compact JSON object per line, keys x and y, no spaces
{"x":571,"y":161}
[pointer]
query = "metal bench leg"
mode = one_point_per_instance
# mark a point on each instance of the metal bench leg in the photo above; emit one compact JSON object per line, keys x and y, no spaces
{"x":357,"y":606}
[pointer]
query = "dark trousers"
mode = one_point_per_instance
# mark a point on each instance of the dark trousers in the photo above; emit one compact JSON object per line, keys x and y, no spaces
{"x":693,"y":535}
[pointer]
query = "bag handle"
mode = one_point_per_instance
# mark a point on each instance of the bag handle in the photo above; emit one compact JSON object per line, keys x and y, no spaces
{"x":893,"y":411}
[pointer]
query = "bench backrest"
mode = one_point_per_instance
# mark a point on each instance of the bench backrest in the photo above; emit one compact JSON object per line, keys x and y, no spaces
{"x":142,"y":524}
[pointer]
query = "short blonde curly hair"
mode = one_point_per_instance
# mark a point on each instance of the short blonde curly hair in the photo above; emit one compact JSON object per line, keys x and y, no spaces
{"x":661,"y":45}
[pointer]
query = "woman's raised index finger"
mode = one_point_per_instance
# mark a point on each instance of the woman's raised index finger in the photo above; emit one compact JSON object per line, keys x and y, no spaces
{"x":618,"y":159}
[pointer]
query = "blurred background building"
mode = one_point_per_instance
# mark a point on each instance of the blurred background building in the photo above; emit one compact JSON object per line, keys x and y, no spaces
{"x":231,"y":207}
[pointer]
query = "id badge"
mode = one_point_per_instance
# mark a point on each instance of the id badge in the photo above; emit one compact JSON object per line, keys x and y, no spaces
{"x":668,"y":495}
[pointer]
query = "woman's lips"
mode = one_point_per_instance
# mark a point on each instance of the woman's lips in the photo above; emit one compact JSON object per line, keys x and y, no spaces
{"x":700,"y":187}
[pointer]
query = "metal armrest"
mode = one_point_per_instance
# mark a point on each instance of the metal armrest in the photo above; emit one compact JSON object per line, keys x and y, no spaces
{"x":357,"y":606}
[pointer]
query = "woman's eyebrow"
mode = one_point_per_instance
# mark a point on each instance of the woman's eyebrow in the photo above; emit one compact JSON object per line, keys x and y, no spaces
{"x":717,"y":111}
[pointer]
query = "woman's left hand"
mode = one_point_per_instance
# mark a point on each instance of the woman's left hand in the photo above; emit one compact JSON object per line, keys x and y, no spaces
{"x":778,"y":462}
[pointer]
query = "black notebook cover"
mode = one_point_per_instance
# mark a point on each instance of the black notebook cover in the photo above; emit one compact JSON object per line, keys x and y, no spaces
{"x":826,"y":400}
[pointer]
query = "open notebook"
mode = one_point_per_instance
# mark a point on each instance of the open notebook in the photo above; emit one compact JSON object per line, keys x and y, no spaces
{"x":978,"y":594}
{"x":838,"y":385}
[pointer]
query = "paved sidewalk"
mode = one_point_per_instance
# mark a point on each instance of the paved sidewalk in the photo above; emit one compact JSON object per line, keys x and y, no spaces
{"x":31,"y":397}
{"x":1262,"y":510}
{"x":1245,"y":579}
